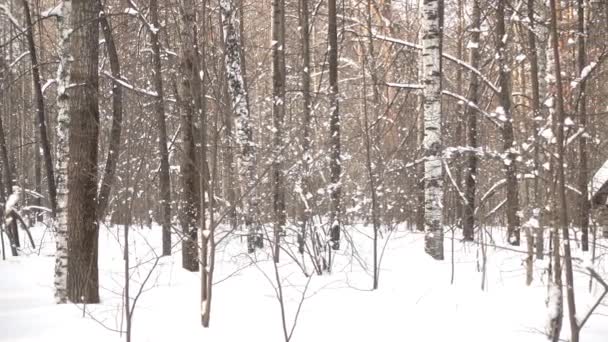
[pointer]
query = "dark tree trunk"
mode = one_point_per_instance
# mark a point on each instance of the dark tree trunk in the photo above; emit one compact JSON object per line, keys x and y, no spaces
{"x":335,"y":167}
{"x":82,"y":278}
{"x":159,"y":108}
{"x":513,"y":223}
{"x":39,"y":99}
{"x":471,"y":117}
{"x":278,"y":113}
{"x":583,"y":177}
{"x":116,"y":130}
{"x":190,"y":104}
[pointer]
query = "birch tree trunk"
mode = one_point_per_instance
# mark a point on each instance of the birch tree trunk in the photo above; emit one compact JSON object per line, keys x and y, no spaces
{"x":65,"y":24}
{"x":432,"y":30}
{"x":83,"y":94}
{"x":244,"y":131}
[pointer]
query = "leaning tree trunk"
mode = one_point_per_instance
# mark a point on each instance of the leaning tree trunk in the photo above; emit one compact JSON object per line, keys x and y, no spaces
{"x":116,"y":130}
{"x":278,"y":113}
{"x":65,"y":24}
{"x":335,"y":166}
{"x":244,"y":131}
{"x":505,"y":115}
{"x":189,"y":89}
{"x":432,"y":24}
{"x":468,"y":228}
{"x":39,"y":99}
{"x":83,"y":94}
{"x":159,"y":109}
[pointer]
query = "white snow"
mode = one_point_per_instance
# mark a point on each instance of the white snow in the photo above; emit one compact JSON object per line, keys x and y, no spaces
{"x":415,"y":301}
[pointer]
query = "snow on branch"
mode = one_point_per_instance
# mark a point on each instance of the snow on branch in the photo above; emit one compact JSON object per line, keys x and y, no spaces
{"x":454,"y":183}
{"x":405,"y":85}
{"x":130,"y":86}
{"x":473,"y":105}
{"x":445,"y":55}
{"x":11,"y":17}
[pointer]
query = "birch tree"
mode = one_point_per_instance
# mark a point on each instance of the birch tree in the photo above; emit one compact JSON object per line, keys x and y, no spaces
{"x":65,"y":23}
{"x":432,"y":30}
{"x":244,"y":131}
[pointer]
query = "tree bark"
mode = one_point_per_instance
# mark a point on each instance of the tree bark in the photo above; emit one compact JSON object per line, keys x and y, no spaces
{"x":116,"y":130}
{"x":563,"y":205}
{"x":432,"y":30}
{"x":335,"y":164}
{"x":244,"y":130}
{"x":471,"y":117}
{"x":39,"y":99}
{"x":190,"y":89}
{"x":82,"y":279}
{"x":277,"y":44}
{"x":159,"y":108}
{"x":509,"y":159}
{"x":65,"y":25}
{"x":583,"y":177}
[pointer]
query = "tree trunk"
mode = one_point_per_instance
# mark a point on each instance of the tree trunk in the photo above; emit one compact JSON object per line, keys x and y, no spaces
{"x":82,"y":280}
{"x":536,"y":107}
{"x":471,"y":117}
{"x":583,"y":177}
{"x":65,"y":23}
{"x":563,"y":205}
{"x":335,"y":164}
{"x":116,"y":130}
{"x":39,"y":99}
{"x":244,"y":130}
{"x":509,"y":159}
{"x":190,"y":104}
{"x":432,"y":30}
{"x":277,"y":44}
{"x":159,"y":108}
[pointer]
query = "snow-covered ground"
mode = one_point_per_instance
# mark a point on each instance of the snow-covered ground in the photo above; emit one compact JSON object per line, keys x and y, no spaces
{"x":415,"y":301}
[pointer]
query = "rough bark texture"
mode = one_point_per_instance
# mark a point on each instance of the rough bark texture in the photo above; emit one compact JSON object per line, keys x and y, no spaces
{"x":65,"y":24}
{"x":468,"y":229}
{"x":432,"y":22}
{"x":159,"y":108}
{"x":533,"y":55}
{"x":509,"y":158}
{"x":189,"y":87}
{"x":335,"y":167}
{"x":306,"y":121}
{"x":83,"y":283}
{"x":244,"y":132}
{"x":116,"y":130}
{"x":277,"y":44}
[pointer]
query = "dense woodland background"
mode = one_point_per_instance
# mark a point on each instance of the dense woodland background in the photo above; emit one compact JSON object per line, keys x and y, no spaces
{"x":297,"y":119}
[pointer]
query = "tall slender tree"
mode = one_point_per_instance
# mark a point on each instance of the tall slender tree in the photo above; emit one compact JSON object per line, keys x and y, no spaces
{"x":432,"y":46}
{"x":335,"y":163}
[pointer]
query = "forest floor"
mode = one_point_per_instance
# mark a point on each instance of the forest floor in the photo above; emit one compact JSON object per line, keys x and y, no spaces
{"x":415,"y":301}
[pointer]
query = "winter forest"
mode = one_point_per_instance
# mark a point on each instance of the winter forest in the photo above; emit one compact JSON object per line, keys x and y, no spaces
{"x":304,"y":170}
